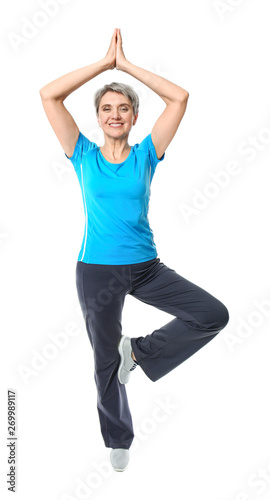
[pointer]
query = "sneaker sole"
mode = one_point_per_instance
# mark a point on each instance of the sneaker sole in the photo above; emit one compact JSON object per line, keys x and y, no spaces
{"x":120,"y":350}
{"x":119,"y":470}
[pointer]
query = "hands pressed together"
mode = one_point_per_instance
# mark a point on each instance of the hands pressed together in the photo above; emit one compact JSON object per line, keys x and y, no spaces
{"x":115,"y":56}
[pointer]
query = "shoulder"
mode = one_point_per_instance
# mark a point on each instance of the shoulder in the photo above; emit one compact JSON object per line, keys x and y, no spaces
{"x":83,"y":147}
{"x":147,"y":147}
{"x":85,"y":144}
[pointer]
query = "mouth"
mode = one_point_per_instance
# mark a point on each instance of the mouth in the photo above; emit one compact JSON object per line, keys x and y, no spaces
{"x":115,"y":125}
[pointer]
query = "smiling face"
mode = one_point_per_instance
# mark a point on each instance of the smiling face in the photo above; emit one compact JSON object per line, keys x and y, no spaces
{"x":116,"y":116}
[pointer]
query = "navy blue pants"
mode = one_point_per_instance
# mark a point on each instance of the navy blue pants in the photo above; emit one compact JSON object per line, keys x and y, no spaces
{"x":102,"y":290}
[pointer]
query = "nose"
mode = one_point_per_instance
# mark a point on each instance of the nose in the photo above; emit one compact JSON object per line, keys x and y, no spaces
{"x":115,"y":113}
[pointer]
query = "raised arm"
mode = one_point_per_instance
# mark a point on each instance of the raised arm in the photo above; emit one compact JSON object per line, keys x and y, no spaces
{"x":174,"y":96}
{"x":53,"y":95}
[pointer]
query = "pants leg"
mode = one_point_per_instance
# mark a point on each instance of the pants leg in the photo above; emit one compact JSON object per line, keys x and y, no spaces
{"x":101,"y":291}
{"x":199,"y":317}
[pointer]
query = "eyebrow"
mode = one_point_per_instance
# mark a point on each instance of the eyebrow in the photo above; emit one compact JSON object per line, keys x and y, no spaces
{"x":123,"y":104}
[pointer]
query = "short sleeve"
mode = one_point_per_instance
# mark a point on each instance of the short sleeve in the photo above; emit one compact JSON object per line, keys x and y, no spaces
{"x":83,"y":145}
{"x":148,"y":146}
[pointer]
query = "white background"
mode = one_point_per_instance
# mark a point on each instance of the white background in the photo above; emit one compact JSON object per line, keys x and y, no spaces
{"x":214,"y":442}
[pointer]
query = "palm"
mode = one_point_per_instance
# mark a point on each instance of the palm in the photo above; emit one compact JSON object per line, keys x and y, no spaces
{"x":111,"y":54}
{"x":115,"y":55}
{"x":120,"y":56}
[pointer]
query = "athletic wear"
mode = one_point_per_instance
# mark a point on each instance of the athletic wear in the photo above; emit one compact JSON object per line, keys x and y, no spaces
{"x":127,"y":363}
{"x":102,"y":290}
{"x":119,"y":459}
{"x":116,"y":201}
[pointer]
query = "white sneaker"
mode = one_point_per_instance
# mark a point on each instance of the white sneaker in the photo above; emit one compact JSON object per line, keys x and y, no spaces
{"x":127,"y":363}
{"x":119,"y":459}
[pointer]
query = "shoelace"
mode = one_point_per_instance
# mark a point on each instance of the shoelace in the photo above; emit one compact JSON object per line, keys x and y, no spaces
{"x":134,"y":366}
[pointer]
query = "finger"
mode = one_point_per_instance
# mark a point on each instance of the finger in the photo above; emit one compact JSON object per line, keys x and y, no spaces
{"x":113,"y":38}
{"x":119,"y":38}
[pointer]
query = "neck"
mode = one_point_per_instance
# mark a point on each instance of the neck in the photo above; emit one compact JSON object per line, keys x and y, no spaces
{"x":115,"y":149}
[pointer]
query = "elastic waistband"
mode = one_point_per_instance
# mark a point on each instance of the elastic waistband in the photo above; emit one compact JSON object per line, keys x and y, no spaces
{"x":137,"y":265}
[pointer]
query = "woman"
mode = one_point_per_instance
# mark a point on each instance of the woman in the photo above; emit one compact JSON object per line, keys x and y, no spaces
{"x":118,"y":255}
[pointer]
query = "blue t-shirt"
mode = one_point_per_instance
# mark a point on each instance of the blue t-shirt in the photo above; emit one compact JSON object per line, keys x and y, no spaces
{"x":116,"y":198}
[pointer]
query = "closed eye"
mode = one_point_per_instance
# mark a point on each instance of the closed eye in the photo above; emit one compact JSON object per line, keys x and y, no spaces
{"x":123,"y":108}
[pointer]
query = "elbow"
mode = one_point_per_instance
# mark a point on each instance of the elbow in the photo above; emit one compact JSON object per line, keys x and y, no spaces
{"x":45,"y":95}
{"x":42,"y":93}
{"x":184,"y":96}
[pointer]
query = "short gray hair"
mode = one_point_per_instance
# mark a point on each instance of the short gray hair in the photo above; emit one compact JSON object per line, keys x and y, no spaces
{"x":124,"y":89}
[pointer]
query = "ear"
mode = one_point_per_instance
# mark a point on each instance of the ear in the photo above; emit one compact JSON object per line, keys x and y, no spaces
{"x":135,"y":118}
{"x":98,"y":120}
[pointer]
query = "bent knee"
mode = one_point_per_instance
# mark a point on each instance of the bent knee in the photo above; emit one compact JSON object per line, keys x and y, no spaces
{"x":217,"y":317}
{"x":226,"y":317}
{"x":223,"y":316}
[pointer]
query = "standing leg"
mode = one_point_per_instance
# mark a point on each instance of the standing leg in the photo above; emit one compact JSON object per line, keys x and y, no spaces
{"x":199,"y":317}
{"x":101,"y":291}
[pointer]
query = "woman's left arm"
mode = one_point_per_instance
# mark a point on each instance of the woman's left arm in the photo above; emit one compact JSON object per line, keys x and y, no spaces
{"x":174,"y":96}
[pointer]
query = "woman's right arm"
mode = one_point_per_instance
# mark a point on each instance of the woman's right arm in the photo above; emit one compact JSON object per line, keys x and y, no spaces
{"x":53,"y":95}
